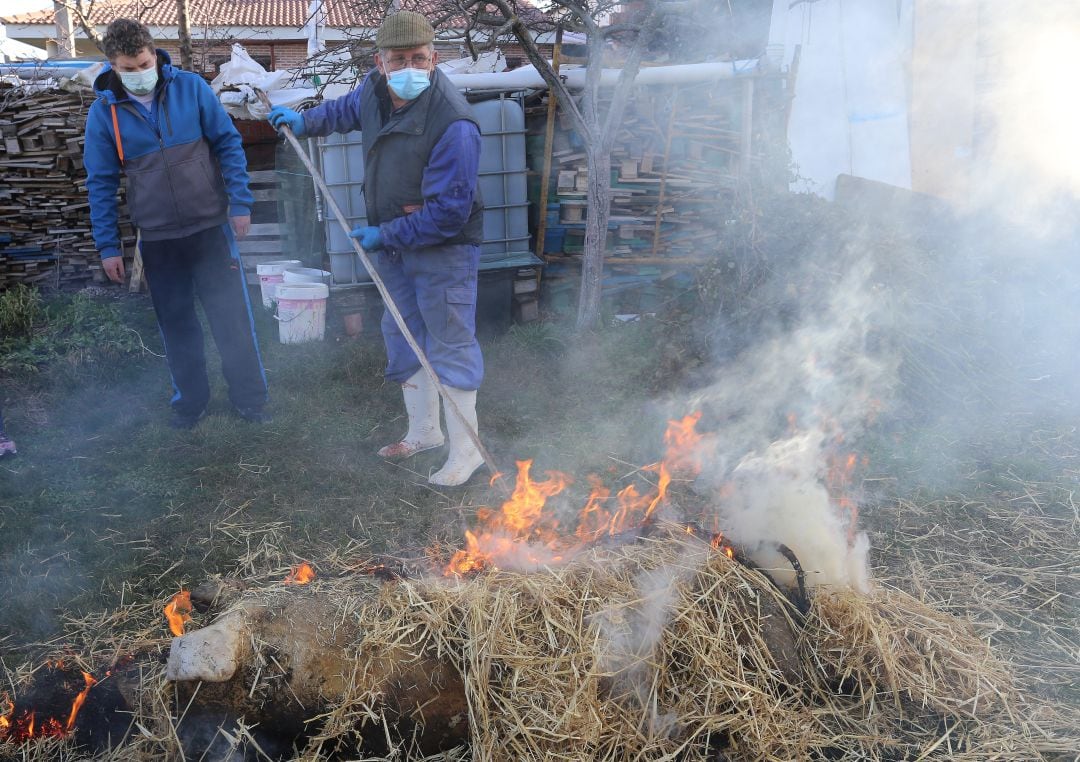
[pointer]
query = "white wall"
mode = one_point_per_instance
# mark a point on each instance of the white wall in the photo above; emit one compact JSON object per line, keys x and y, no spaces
{"x":850,"y":113}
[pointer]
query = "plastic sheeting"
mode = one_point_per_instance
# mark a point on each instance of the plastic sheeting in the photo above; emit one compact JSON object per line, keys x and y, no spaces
{"x":850,"y":113}
{"x":241,"y":76}
{"x":528,"y":78}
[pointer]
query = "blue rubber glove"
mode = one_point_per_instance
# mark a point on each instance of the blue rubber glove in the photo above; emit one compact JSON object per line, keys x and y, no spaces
{"x":282,"y":116}
{"x":370,"y":237}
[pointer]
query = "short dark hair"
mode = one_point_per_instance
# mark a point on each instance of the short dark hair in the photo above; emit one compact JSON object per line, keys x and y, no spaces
{"x":126,"y":37}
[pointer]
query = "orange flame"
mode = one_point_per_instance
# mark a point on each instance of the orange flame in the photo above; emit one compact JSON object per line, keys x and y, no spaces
{"x":301,"y":574}
{"x":718,"y":543}
{"x":178,"y":612}
{"x":77,"y":704}
{"x":519,"y":521}
{"x":521,"y":525}
{"x":24,"y":725}
{"x":838,"y":481}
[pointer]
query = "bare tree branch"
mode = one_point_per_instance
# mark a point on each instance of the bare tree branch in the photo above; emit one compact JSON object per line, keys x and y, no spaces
{"x":524,"y":36}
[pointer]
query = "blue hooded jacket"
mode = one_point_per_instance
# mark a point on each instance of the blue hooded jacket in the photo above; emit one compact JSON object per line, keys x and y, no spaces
{"x":183,"y":159}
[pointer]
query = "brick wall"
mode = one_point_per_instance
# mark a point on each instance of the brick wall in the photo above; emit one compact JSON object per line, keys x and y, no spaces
{"x":273,"y":55}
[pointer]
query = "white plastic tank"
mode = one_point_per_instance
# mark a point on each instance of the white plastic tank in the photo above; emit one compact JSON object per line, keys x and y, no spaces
{"x":502,"y":186}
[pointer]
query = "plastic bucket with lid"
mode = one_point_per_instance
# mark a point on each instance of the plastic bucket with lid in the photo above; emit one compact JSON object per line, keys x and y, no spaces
{"x":270,"y":275}
{"x":301,"y":312}
{"x":307,"y":275}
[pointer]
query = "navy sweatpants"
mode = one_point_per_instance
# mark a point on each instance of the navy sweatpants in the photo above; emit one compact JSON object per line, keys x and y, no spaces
{"x":205,"y":265}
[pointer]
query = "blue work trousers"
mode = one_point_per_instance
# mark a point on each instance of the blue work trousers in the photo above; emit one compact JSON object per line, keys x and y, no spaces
{"x":206,"y":265}
{"x":435,"y":291}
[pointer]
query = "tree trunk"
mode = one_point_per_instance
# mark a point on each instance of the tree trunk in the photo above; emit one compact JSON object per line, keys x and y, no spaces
{"x":65,"y":32}
{"x":599,"y":209}
{"x":185,"y":35}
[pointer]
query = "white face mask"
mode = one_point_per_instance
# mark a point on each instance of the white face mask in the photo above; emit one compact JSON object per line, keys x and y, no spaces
{"x":139,"y":82}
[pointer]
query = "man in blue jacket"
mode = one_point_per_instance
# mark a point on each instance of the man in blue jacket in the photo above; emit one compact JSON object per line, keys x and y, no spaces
{"x":187,"y":192}
{"x":424,"y":226}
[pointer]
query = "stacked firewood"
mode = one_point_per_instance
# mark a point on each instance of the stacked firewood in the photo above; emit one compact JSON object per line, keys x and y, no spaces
{"x":682,"y":163}
{"x":44,"y":211}
{"x":676,"y":164}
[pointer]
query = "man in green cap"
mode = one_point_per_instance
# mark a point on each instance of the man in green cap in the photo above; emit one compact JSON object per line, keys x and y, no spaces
{"x":424,"y":227}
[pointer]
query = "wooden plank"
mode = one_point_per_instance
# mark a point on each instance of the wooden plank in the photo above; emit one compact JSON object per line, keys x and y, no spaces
{"x":265,"y":229}
{"x":263,"y":176}
{"x":258,"y":247}
{"x":137,"y":273}
{"x":266,"y":194}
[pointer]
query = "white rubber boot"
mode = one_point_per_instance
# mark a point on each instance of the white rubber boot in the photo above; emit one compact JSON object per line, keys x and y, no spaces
{"x":422,"y":405}
{"x":464,"y":457}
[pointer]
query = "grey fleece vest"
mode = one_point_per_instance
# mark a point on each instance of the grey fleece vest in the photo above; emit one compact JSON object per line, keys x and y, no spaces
{"x":397,"y":151}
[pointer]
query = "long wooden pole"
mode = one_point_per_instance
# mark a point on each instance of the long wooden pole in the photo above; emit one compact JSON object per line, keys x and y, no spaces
{"x":388,"y":301}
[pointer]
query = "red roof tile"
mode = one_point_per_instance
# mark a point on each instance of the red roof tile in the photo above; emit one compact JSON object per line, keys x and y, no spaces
{"x":265,"y":13}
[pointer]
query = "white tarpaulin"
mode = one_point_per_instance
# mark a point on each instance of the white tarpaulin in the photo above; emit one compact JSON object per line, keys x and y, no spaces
{"x":241,"y":75}
{"x":528,"y":78}
{"x":850,"y":113}
{"x":492,"y":61}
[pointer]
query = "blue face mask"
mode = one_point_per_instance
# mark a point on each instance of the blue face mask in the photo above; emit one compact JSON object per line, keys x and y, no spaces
{"x":139,"y":82}
{"x":407,"y":84}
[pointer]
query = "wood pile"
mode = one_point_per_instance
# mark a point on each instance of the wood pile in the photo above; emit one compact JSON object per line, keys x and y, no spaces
{"x":677,"y":162}
{"x":681,"y":159}
{"x":44,"y":211}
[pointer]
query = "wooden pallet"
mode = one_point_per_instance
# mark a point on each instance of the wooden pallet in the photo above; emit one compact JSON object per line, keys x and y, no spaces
{"x":264,"y":241}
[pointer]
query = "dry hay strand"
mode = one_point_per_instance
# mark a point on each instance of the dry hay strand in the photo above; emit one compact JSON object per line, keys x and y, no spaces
{"x":894,"y":646}
{"x":125,"y":651}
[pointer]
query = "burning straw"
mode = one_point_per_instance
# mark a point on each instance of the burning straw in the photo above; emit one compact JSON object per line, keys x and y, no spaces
{"x":661,"y":648}
{"x":598,"y":660}
{"x":668,"y":646}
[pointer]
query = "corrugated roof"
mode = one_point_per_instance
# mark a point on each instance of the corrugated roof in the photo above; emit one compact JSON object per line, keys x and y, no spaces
{"x":258,"y":13}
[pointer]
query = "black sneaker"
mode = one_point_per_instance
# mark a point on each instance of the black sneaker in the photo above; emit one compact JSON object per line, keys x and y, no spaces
{"x":253,"y":414}
{"x":183,"y":421}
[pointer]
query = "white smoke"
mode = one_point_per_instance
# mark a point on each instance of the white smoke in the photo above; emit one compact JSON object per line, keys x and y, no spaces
{"x":828,"y":374}
{"x":779,"y":496}
{"x":629,"y":635}
{"x":1028,"y":120}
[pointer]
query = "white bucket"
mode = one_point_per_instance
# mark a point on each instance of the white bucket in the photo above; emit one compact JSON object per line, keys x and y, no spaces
{"x":270,"y":275}
{"x":301,"y":312}
{"x":306,"y":275}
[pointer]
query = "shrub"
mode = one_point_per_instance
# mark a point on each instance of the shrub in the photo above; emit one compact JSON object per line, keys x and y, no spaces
{"x":20,"y":309}
{"x":80,"y":330}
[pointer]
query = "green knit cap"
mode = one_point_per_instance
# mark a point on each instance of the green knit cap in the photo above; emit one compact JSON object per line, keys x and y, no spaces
{"x":404,"y":30}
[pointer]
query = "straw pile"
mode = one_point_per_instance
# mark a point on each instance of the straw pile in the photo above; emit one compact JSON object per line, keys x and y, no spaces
{"x":658,"y":650}
{"x":661,"y":650}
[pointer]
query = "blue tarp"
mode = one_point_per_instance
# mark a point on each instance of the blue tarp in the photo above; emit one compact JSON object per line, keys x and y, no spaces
{"x":57,"y":67}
